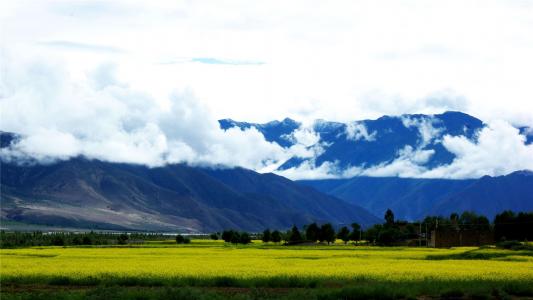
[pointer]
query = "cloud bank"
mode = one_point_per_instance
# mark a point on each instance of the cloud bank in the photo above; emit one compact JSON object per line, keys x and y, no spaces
{"x":99,"y":116}
{"x":102,"y":118}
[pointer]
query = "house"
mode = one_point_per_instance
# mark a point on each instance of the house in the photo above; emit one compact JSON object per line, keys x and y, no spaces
{"x":442,"y":238}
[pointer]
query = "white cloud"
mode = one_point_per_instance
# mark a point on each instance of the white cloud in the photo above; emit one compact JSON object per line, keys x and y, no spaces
{"x":497,"y":150}
{"x":307,"y":171}
{"x":80,"y":46}
{"x":356,"y":131}
{"x":305,"y":136}
{"x":341,"y":61}
{"x":407,"y":164}
{"x":103,"y":118}
{"x":426,"y":129}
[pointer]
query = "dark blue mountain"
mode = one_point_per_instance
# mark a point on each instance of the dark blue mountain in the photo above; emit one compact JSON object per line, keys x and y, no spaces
{"x":491,"y":195}
{"x":409,"y":198}
{"x":372,"y":142}
{"x":413,"y":199}
{"x":275,"y":131}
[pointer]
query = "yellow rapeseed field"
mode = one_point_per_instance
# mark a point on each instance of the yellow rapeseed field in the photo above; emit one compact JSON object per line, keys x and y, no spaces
{"x":205,"y":259}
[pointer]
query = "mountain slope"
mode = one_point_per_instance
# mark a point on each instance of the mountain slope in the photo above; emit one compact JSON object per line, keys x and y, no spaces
{"x":299,"y":197}
{"x":412,"y":198}
{"x":95,"y":194}
{"x":492,"y":195}
{"x":409,"y":198}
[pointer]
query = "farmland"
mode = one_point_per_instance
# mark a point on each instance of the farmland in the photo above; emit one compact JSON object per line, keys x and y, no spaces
{"x":214,"y":269}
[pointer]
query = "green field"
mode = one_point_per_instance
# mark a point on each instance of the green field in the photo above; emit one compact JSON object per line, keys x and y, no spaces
{"x":213,"y":269}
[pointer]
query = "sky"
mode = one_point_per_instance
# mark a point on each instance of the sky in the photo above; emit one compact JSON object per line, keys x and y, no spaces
{"x":145,"y":81}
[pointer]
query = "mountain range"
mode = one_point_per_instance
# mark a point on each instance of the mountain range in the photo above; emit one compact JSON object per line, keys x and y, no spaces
{"x":92,"y":194}
{"x":367,"y":143}
{"x":375,"y":143}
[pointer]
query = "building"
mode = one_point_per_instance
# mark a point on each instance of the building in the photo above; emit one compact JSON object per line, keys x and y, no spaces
{"x":457,"y":238}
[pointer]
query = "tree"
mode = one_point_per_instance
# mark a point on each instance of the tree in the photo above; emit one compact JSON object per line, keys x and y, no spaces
{"x":471,"y":220}
{"x":434,"y":222}
{"x":227,"y":235}
{"x":454,"y":217}
{"x":454,"y":221}
{"x":312,"y":232}
{"x":355,"y":235}
{"x":327,"y":233}
{"x":267,"y":236}
{"x":244,"y":238}
{"x":524,"y":224}
{"x":344,"y":234}
{"x":389,"y":217}
{"x":295,"y":235}
{"x":122,"y":239}
{"x":58,"y":240}
{"x":214,"y":236}
{"x":180,"y":239}
{"x":372,"y":233}
{"x":511,"y":226}
{"x":388,"y":236}
{"x":76,"y":240}
{"x":86,"y":240}
{"x":276,"y":236}
{"x":235,"y":237}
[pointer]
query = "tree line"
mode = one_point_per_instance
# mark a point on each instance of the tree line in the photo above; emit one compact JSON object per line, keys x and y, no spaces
{"x":29,"y":239}
{"x":310,"y":233}
{"x":506,"y":226}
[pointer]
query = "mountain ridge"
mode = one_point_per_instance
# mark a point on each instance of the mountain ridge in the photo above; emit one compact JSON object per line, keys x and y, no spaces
{"x":360,"y":147}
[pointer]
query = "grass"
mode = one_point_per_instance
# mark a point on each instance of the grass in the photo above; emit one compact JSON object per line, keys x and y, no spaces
{"x":212,"y":270}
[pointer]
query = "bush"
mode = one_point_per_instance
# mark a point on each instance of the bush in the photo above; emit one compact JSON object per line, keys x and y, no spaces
{"x":514,"y":245}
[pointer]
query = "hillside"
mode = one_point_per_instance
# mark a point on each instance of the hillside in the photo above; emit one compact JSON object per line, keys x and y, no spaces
{"x":100,"y":195}
{"x":413,"y":198}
